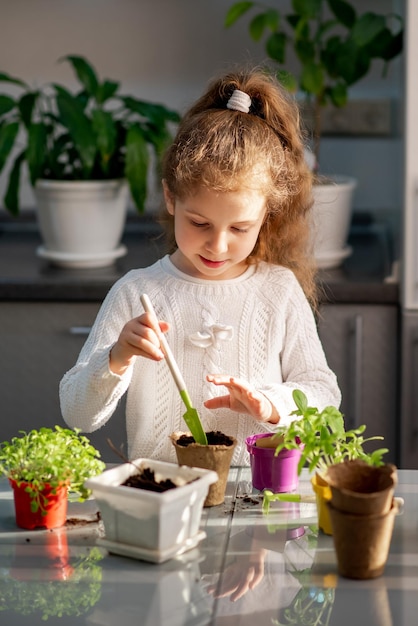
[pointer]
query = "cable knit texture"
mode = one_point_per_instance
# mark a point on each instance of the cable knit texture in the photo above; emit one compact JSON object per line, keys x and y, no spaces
{"x":258,"y":327}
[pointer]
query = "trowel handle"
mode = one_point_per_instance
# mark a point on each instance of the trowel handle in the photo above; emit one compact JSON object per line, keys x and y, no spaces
{"x":171,"y":361}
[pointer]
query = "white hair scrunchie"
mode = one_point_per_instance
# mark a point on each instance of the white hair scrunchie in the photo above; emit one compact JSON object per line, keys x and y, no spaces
{"x":239,"y":101}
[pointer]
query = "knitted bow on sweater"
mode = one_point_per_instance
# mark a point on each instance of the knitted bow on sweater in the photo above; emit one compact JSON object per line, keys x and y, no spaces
{"x":212,"y":335}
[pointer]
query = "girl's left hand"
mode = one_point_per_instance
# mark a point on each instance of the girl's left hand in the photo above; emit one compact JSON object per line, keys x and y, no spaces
{"x":242,"y":398}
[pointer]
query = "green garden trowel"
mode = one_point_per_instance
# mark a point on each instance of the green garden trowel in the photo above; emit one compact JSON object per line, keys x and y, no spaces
{"x":191,"y":417}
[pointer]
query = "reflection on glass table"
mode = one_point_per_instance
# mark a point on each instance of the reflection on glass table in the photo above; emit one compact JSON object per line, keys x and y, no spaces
{"x":252,"y":568}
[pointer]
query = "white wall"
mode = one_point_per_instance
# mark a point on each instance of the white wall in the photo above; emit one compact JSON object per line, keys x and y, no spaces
{"x":166,"y":51}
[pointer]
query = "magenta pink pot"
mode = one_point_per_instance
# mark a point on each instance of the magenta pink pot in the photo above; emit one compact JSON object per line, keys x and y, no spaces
{"x":278,"y":473}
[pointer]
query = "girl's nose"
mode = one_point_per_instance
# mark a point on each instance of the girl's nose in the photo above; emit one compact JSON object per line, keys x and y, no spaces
{"x":217,"y":242}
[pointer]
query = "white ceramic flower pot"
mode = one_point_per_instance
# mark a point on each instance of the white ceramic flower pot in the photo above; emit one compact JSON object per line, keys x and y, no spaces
{"x":331,"y":213}
{"x":145,"y":524}
{"x":81,"y":222}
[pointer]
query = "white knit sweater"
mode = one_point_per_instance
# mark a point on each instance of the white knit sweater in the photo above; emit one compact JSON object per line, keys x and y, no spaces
{"x":258,"y":327}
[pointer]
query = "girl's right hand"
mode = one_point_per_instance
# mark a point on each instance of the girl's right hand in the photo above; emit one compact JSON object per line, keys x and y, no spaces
{"x":138,"y":338}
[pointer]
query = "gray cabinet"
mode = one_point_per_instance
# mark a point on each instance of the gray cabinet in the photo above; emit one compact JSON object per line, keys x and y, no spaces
{"x":39,"y":342}
{"x":360,"y":342}
{"x":409,"y":391}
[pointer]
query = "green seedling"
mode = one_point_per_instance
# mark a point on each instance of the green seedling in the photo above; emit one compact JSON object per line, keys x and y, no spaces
{"x":324,"y":438}
{"x":50,"y":457}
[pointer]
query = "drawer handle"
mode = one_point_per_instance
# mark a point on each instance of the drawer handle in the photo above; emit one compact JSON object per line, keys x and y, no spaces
{"x":80,"y":330}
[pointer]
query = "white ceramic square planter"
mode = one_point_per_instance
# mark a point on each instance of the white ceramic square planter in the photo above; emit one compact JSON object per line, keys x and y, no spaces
{"x":146,"y":524}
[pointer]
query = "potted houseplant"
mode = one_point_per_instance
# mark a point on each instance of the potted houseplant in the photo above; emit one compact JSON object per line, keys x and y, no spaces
{"x":335,"y":48}
{"x":96,"y":144}
{"x":215,"y":455}
{"x":325,"y":443}
{"x":44,"y":466}
{"x":155,"y":521}
{"x":354,"y":488}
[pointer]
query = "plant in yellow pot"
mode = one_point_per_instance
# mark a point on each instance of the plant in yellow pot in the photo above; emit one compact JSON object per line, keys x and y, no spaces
{"x":325,"y":443}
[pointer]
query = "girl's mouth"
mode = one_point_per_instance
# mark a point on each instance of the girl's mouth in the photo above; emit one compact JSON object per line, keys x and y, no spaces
{"x":213,"y":264}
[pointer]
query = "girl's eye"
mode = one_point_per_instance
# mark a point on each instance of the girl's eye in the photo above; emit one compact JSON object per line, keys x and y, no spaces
{"x":240,"y":230}
{"x":198,"y":224}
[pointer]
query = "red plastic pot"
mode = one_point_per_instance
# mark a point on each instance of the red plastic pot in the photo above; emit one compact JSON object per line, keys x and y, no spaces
{"x":55,"y":507}
{"x":278,"y":473}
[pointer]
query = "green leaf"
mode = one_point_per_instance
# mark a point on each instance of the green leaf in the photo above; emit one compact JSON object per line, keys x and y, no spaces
{"x":158,"y":137}
{"x":85,"y":73}
{"x":36,"y":150}
{"x":11,"y":198}
{"x":7,"y":104}
{"x":385,"y":45}
{"x":6,"y":78}
{"x":236,"y":11}
{"x":79,"y":126}
{"x":105,"y":130}
{"x":309,"y":9}
{"x":276,"y":47}
{"x":288,"y":80}
{"x":156,"y":113}
{"x":257,"y":26}
{"x":338,"y":95}
{"x":26,"y":106}
{"x":267,"y":20}
{"x":312,"y":79}
{"x":367,"y":27}
{"x":106,"y":90}
{"x":136,"y":167}
{"x":300,"y":400}
{"x":343,"y":11}
{"x":305,"y":50}
{"x":8,"y":134}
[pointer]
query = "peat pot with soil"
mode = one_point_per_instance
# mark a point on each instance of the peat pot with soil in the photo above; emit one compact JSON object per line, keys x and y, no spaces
{"x":216,"y":455}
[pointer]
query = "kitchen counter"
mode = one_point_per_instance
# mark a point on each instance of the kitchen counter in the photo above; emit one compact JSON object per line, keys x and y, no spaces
{"x":67,"y":576}
{"x":25,"y":276}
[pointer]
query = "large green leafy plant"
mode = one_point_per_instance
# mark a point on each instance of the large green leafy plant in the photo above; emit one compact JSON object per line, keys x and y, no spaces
{"x":50,"y":457}
{"x":94,"y":134}
{"x":324,"y":438}
{"x":334,"y":46}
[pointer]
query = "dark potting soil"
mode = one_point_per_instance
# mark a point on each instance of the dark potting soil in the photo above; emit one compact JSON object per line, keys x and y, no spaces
{"x":214,"y":437}
{"x":146,"y":480}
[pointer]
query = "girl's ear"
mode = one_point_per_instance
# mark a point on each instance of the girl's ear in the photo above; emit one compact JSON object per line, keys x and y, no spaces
{"x":168,"y":198}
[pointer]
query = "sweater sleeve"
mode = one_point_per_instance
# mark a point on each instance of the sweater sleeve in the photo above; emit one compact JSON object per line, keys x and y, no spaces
{"x":90,"y":391}
{"x":303,"y":362}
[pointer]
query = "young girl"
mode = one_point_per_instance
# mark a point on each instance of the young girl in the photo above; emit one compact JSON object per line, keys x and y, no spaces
{"x":236,"y":295}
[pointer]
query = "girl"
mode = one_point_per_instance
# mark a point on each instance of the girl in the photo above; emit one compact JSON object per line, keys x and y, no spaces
{"x":236,"y":295}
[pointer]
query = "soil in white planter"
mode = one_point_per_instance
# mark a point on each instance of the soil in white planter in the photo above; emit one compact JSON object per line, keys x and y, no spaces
{"x":146,"y":479}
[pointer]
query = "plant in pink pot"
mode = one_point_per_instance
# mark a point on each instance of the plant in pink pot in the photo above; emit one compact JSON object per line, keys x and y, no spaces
{"x":276,"y":472}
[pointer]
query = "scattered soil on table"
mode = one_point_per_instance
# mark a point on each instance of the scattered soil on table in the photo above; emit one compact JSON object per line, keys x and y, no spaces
{"x":79,"y":521}
{"x":146,"y":480}
{"x":214,"y":437}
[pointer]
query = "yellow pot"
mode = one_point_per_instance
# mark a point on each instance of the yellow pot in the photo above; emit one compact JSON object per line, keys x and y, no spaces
{"x":323,"y":494}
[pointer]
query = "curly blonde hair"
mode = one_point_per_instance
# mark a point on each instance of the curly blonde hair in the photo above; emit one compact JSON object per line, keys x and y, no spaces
{"x":227,"y":150}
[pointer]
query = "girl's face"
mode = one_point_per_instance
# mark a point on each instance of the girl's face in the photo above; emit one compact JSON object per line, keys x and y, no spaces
{"x":215,"y":232}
